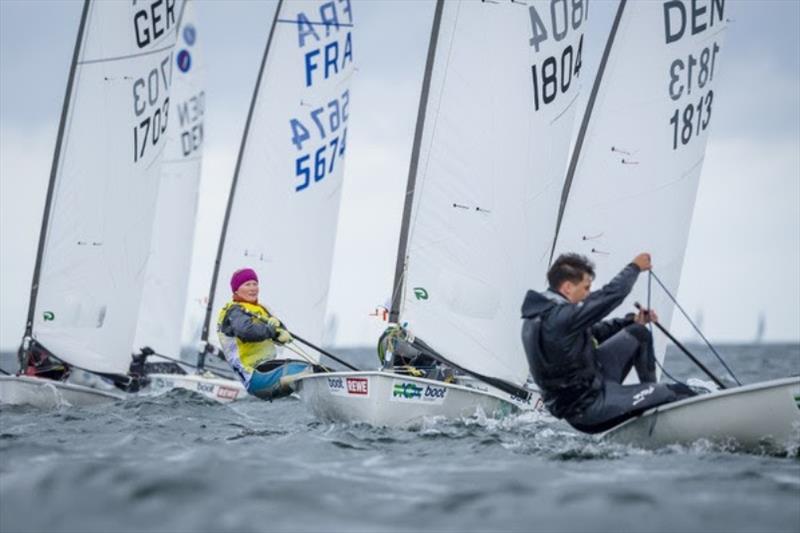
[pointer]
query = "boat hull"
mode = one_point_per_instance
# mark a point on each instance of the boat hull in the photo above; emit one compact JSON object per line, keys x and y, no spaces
{"x":386,"y":399}
{"x":756,"y":417}
{"x":219,"y":389}
{"x":45,"y":393}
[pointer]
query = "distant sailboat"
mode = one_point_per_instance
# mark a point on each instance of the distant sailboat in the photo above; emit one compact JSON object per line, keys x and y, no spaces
{"x":761,"y":328}
{"x":487,"y":164}
{"x":97,"y":223}
{"x":166,"y":283}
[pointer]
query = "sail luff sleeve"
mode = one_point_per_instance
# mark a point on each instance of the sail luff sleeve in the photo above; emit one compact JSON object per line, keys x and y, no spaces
{"x":576,"y":153}
{"x":231,"y":195}
{"x":397,"y":287}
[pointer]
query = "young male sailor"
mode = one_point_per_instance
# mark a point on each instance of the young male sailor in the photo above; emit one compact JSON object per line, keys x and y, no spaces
{"x":579,"y":362}
{"x":248,"y":334}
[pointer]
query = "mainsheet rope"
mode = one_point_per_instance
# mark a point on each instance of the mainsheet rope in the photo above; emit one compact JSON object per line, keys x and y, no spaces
{"x":686,"y":315}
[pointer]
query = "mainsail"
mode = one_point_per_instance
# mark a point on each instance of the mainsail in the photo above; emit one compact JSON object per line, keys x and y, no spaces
{"x":166,"y":281}
{"x":96,"y":229}
{"x":284,"y":202}
{"x":488,"y":161}
{"x":632,"y":183}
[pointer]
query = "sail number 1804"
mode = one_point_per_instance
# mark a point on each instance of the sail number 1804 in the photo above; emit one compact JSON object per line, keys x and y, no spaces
{"x":554,"y":75}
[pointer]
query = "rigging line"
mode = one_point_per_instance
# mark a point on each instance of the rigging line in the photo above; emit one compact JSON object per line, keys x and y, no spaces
{"x":719,"y":357}
{"x":129,"y":56}
{"x":650,"y":325}
{"x":300,"y":352}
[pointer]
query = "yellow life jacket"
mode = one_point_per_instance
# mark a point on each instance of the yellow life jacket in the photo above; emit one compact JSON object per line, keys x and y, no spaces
{"x":248,"y":354}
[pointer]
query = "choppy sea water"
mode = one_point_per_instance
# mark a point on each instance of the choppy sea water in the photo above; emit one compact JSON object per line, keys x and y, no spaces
{"x":179,"y":462}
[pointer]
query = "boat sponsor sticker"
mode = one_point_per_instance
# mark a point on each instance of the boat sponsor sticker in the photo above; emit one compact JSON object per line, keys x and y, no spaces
{"x":227,"y":393}
{"x":358,"y":386}
{"x":409,"y":391}
{"x":342,"y":386}
{"x":205,"y":388}
{"x":161,"y":383}
{"x":797,"y":400}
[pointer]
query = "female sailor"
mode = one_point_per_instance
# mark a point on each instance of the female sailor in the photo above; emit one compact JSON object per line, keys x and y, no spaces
{"x":248,"y":334}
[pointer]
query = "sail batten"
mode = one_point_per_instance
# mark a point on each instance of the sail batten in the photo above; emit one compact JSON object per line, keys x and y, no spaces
{"x":394,"y":313}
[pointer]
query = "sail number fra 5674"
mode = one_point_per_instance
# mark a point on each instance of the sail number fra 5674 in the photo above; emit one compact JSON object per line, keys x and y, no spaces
{"x":327,"y":120}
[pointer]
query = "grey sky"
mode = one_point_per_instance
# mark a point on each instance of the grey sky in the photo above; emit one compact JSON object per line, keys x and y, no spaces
{"x":743,"y":256}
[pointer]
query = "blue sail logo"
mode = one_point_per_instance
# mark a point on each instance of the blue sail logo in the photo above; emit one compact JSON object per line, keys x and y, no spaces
{"x":184,"y":61}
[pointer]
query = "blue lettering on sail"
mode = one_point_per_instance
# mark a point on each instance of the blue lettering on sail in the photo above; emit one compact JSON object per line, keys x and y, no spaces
{"x":184,"y":61}
{"x":304,"y":30}
{"x":329,"y":60}
{"x":327,"y":13}
{"x":189,"y":34}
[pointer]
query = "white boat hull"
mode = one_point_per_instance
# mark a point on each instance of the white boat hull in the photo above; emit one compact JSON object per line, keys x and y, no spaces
{"x":219,"y":389}
{"x":387,"y":399}
{"x":46,"y":393}
{"x":754,"y":417}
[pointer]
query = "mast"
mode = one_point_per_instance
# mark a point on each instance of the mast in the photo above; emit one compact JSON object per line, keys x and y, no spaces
{"x":573,"y":164}
{"x":218,"y":260}
{"x":53,"y":174}
{"x":397,"y":292}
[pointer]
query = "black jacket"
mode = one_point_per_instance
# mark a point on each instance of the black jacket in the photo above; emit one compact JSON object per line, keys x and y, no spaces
{"x":560,"y":340}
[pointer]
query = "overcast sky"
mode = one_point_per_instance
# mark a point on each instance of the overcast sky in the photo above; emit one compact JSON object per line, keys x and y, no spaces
{"x":743,"y":257}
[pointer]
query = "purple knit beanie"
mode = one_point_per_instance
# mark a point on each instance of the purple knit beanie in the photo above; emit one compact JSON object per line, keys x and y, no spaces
{"x":242,"y":276}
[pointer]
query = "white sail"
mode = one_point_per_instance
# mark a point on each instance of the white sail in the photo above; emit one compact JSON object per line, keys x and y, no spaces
{"x":105,"y":183}
{"x":636,"y":176}
{"x":284,"y":206}
{"x":163,"y":303}
{"x":494,"y":146}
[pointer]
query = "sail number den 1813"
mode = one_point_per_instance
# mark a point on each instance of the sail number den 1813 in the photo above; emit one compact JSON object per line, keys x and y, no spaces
{"x":553,"y":76}
{"x":693,"y":71}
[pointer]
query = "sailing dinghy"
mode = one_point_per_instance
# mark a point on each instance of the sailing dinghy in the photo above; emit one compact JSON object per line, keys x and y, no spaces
{"x":284,"y":201}
{"x":487,"y":166}
{"x":163,"y":303}
{"x":631,"y":186}
{"x":96,"y":228}
{"x":760,"y":417}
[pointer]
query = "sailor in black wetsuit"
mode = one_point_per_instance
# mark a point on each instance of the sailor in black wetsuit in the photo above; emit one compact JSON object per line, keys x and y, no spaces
{"x":579,"y":362}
